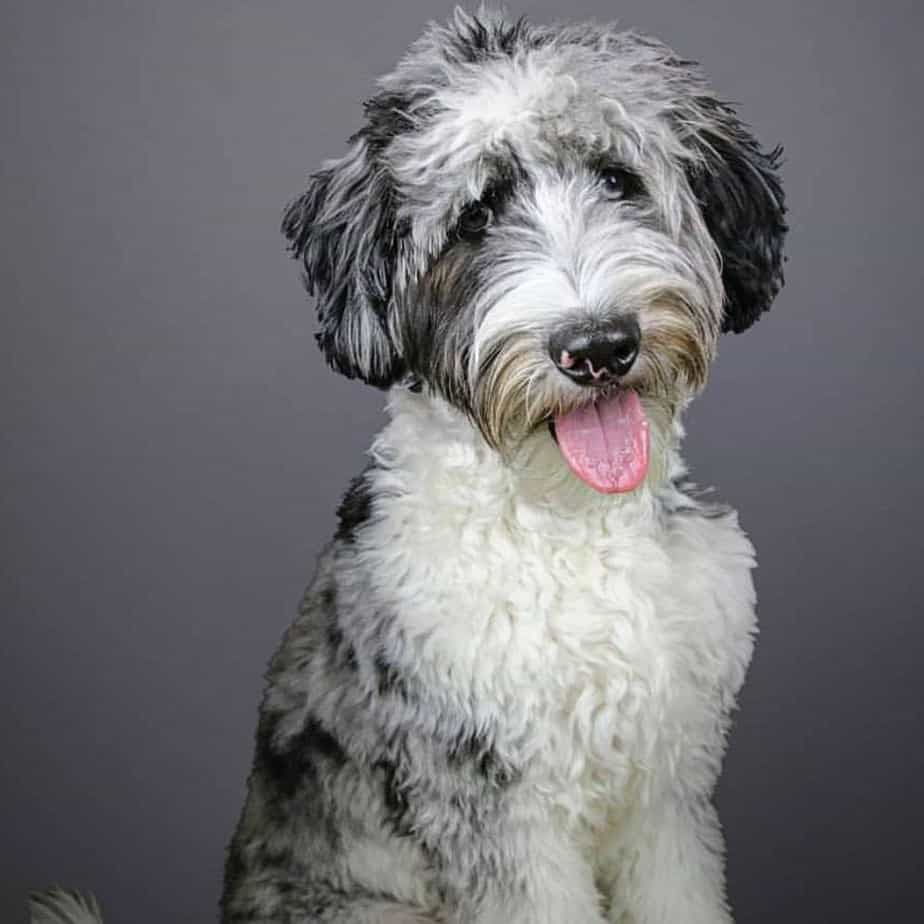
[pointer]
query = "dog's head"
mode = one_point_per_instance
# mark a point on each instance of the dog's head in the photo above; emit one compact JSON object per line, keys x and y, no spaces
{"x":543,"y":225}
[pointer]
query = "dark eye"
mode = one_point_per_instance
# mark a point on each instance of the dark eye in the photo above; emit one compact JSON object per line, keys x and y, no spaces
{"x":475,"y":220}
{"x":619,"y":183}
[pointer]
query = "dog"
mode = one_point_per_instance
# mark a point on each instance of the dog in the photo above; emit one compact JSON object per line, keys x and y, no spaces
{"x":506,"y":696}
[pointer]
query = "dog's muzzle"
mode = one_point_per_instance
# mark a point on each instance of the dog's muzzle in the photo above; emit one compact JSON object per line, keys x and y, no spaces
{"x":605,"y":441}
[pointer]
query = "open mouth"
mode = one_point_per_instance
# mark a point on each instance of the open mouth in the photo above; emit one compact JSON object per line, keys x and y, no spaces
{"x":605,"y":443}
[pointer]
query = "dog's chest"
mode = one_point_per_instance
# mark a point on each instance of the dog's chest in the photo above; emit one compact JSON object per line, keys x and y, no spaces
{"x":560,"y":643}
{"x":592,"y":646}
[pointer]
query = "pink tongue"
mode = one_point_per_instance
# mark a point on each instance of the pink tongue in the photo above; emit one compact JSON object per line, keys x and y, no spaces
{"x":606,"y":444}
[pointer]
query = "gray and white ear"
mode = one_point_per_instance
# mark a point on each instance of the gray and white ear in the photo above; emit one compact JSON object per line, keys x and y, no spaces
{"x":343,"y":229}
{"x":739,"y":192}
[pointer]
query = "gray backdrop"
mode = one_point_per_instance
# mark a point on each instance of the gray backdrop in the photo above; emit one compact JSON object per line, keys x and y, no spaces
{"x":173,"y":447}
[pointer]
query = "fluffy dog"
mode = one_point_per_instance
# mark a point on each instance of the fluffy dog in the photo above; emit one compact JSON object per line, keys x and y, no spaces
{"x":506,"y":696}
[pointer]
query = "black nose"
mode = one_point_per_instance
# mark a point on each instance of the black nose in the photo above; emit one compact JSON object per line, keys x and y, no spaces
{"x":595,"y":353}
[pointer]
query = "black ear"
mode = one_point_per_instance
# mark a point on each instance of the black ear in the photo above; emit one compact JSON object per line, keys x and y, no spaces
{"x":344,"y":231}
{"x":739,"y":192}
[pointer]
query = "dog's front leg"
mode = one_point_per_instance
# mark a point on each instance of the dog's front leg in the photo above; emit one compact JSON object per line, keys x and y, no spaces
{"x":529,"y":875}
{"x":497,"y":855}
{"x":668,"y":862}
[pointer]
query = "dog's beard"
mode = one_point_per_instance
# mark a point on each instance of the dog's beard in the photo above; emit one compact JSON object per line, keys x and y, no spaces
{"x":678,"y":349}
{"x":512,"y":395}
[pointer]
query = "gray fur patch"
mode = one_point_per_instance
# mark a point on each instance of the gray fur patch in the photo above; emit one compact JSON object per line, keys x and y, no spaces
{"x":63,"y":906}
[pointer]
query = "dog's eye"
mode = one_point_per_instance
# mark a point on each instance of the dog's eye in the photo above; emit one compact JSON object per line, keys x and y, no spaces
{"x":619,"y":183}
{"x":475,"y":220}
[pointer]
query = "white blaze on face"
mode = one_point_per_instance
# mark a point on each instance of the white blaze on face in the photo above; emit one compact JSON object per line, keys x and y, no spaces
{"x":533,"y":301}
{"x":604,"y":442}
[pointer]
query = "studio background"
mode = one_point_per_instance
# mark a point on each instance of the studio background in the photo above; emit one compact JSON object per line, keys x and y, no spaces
{"x":173,"y":448}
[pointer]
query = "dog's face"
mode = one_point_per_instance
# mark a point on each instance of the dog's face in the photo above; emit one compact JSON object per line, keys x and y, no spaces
{"x":543,"y":226}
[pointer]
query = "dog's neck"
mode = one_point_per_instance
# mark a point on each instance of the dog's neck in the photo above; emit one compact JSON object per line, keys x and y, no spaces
{"x":430,"y":447}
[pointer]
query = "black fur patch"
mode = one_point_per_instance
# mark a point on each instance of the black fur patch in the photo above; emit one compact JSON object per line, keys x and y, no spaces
{"x":742,"y":202}
{"x":329,"y":598}
{"x":436,"y":325}
{"x":291,"y":765}
{"x":355,"y":509}
{"x":474,"y":41}
{"x":395,"y":799}
{"x":388,"y":678}
{"x":474,"y":749}
{"x":388,"y":116}
{"x":343,"y":651}
{"x":234,"y":876}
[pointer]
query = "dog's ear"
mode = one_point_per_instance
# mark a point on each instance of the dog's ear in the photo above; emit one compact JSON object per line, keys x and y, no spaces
{"x":343,"y":230}
{"x":738,"y":188}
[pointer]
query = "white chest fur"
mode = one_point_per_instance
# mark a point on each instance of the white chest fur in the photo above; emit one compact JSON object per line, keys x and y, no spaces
{"x":605,"y":637}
